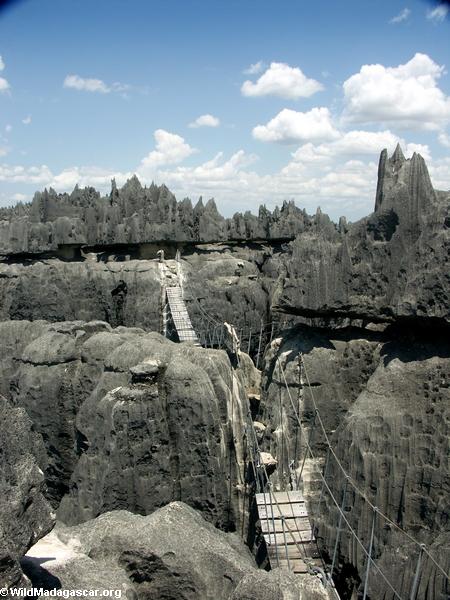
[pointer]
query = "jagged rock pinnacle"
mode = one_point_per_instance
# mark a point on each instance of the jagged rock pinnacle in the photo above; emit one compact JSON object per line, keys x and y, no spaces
{"x":398,"y":155}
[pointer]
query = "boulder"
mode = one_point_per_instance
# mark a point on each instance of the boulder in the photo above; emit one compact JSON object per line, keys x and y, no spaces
{"x":172,"y":554}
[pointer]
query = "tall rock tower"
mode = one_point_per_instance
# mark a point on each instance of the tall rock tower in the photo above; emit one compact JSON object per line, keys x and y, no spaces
{"x":404,"y":186}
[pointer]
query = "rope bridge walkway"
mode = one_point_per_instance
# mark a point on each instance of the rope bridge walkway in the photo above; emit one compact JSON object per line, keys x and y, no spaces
{"x":180,"y":315}
{"x":286,"y":524}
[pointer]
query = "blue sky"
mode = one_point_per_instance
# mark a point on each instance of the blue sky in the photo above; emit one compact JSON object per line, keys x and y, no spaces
{"x":293,"y":99}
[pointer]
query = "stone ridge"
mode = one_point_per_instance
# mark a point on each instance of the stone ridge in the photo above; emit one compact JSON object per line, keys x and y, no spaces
{"x":134,"y":215}
{"x":392,"y":264}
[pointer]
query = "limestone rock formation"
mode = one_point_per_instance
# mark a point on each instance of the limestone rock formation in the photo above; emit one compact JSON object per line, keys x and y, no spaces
{"x":129,"y":419}
{"x":280,"y":584}
{"x":224,"y":282}
{"x":391,"y":265}
{"x":132,"y":215}
{"x":25,"y":514}
{"x":383,"y":397}
{"x":172,"y":554}
{"x":394,"y":443}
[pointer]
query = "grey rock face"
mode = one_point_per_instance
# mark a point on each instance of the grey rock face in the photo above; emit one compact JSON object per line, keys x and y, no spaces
{"x":383,"y":397}
{"x":172,"y":554}
{"x":131,"y":420}
{"x":280,"y":584}
{"x":391,"y":265}
{"x":394,"y":443}
{"x":222,"y":281}
{"x":132,"y":215}
{"x":25,"y":514}
{"x":127,"y":293}
{"x":338,"y":365}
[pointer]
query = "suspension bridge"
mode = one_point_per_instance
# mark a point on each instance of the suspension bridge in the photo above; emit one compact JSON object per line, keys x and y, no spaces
{"x":287,"y":525}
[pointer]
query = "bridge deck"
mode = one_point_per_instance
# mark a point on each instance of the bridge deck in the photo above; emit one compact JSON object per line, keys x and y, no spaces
{"x":287,"y":530}
{"x":180,"y":316}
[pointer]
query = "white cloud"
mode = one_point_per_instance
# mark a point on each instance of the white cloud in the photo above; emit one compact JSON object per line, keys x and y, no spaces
{"x":444,"y":139}
{"x":86,"y":176}
{"x":170,"y":149}
{"x":86,"y":85}
{"x":3,"y":151}
{"x":8,"y":128}
{"x":255,"y":68}
{"x":402,"y":16}
{"x":338,"y":174}
{"x":98,"y":86}
{"x":290,"y":126}
{"x":205,"y":121}
{"x":284,"y":81}
{"x":438,"y":14}
{"x":19,"y":174}
{"x":19,"y":197}
{"x":4,"y":85}
{"x":406,"y":95}
{"x":440,"y":173}
{"x":27,"y":120}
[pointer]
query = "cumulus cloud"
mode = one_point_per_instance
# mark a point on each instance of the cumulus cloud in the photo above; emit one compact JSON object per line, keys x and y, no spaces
{"x":27,"y":120}
{"x":38,"y":175}
{"x":255,"y":68}
{"x":170,"y":149}
{"x":437,"y":14}
{"x":284,"y":81}
{"x":407,"y":95}
{"x":4,"y":85}
{"x":444,"y":139}
{"x":338,"y":173}
{"x":205,"y":121}
{"x":19,"y":197}
{"x":290,"y":126}
{"x":402,"y":16}
{"x":92,"y":85}
{"x":440,"y":173}
{"x":83,"y":84}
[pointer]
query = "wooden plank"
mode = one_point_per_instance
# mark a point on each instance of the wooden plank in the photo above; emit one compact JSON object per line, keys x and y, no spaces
{"x":295,"y":565}
{"x":298,"y":524}
{"x":292,"y":538}
{"x":292,"y":552}
{"x":279,"y":497}
{"x":285,"y":510}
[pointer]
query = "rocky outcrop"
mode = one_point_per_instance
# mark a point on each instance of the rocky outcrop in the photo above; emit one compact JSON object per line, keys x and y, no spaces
{"x":131,"y":420}
{"x":172,"y":554}
{"x":25,"y":514}
{"x":394,"y":443}
{"x":383,"y":396}
{"x":391,"y":265}
{"x":223,"y":281}
{"x":338,"y":364}
{"x":280,"y":584}
{"x":133,"y":215}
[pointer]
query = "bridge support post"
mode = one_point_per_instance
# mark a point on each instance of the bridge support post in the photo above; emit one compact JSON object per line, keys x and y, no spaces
{"x":259,"y":344}
{"x":369,"y":553}
{"x":415,"y":584}
{"x":338,"y":532}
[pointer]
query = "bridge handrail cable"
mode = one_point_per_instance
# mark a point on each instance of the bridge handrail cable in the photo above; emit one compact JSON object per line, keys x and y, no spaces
{"x":342,"y":468}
